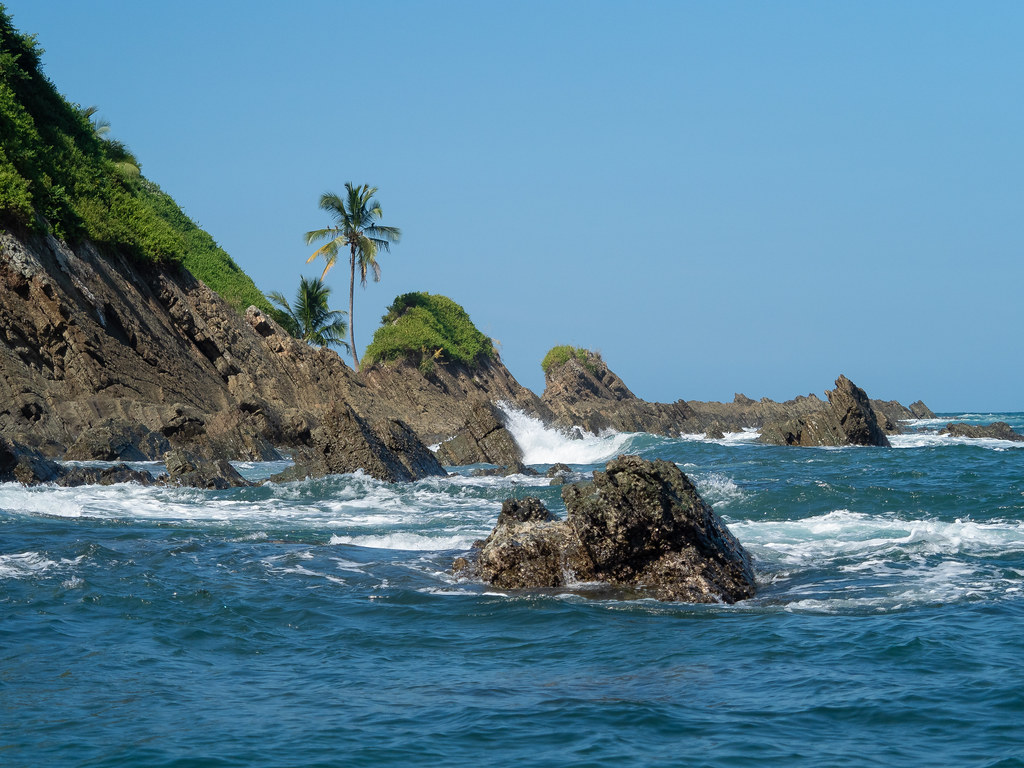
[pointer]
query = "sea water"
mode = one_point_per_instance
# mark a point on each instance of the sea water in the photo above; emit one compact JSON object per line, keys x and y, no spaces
{"x":318,"y":624}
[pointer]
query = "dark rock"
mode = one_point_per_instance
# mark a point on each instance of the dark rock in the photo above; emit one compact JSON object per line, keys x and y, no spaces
{"x":28,"y":466}
{"x":113,"y":442}
{"x":588,"y":394}
{"x":187,"y":469}
{"x":997,"y":430}
{"x":848,"y":419}
{"x":640,"y":525}
{"x":344,"y":442}
{"x":889,"y":414}
{"x":557,"y":469}
{"x":19,"y":463}
{"x":484,"y":439}
{"x":715,"y":432}
{"x":921,"y":411}
{"x":119,"y":473}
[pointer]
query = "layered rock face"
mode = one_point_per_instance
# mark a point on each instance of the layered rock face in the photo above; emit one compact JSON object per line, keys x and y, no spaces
{"x":849,"y":419}
{"x":589,"y":395}
{"x":103,"y":358}
{"x":640,"y":525}
{"x":483,"y":439}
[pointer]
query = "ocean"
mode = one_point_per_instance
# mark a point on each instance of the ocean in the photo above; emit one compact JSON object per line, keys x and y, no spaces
{"x":317,"y":623}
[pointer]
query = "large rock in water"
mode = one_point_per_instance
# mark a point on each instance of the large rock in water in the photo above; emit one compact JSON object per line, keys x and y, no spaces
{"x":484,"y":439}
{"x":849,"y":419}
{"x":640,"y":525}
{"x":345,"y":442}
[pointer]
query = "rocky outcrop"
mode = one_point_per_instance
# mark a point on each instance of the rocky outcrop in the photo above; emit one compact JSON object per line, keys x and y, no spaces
{"x":345,"y":442}
{"x":849,"y":419}
{"x":483,"y":439}
{"x":104,"y":358}
{"x":21,"y":464}
{"x":997,"y":430}
{"x":587,"y":394}
{"x":639,"y":525}
{"x":745,"y":413}
{"x":921,"y":411}
{"x":889,"y":414}
{"x":187,"y":469}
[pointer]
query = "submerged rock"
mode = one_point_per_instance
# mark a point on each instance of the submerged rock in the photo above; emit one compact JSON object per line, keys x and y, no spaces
{"x":639,"y":525}
{"x":28,"y":466}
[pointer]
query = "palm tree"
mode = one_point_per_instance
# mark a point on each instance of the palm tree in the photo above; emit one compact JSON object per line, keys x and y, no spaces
{"x":124,"y":161}
{"x":311,"y":319}
{"x":355,"y":216}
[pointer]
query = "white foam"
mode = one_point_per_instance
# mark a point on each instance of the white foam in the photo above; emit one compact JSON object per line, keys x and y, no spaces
{"x":408,"y":541}
{"x":933,"y":439}
{"x":542,"y":445}
{"x":23,"y":565}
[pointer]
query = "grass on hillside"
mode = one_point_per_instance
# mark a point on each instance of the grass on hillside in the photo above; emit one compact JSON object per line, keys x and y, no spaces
{"x":59,"y":174}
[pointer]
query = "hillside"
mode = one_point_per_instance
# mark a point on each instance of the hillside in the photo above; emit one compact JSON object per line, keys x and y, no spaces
{"x":60,"y":175}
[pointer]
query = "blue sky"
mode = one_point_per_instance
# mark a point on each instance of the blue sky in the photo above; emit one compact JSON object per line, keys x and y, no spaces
{"x":720,"y":197}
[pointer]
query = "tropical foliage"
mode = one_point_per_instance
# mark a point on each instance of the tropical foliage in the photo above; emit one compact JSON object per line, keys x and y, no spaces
{"x":311,"y":319}
{"x":356,"y":228}
{"x":560,"y":355}
{"x":60,"y":173}
{"x":422,"y":327}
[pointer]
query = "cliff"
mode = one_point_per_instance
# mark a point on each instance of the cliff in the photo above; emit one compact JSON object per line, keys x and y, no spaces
{"x":107,"y":357}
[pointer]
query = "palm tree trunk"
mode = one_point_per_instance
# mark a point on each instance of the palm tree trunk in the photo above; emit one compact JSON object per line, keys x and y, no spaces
{"x":351,"y":306}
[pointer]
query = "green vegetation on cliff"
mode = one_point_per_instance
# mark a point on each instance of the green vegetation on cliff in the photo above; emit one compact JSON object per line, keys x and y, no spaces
{"x":558,"y":356}
{"x":59,"y":173}
{"x":422,"y":327}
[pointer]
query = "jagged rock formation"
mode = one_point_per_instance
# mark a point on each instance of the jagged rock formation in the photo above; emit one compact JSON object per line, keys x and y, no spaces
{"x":187,"y":469}
{"x":21,"y":464}
{"x":483,"y":439}
{"x":997,"y":430}
{"x":345,"y":442}
{"x":889,"y":414}
{"x":745,"y":413}
{"x":106,"y":358}
{"x":921,"y":411}
{"x":849,"y":419}
{"x":640,"y":526}
{"x":586,"y":393}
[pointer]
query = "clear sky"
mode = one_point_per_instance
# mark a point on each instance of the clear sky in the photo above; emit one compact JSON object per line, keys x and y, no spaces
{"x":720,"y":197}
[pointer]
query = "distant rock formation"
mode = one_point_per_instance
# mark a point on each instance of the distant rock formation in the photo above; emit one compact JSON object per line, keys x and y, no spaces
{"x":921,"y":411}
{"x":997,"y":430}
{"x":586,"y":393}
{"x":640,"y":526}
{"x":849,"y":419}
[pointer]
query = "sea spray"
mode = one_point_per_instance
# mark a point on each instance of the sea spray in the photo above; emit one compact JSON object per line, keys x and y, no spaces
{"x":543,"y":445}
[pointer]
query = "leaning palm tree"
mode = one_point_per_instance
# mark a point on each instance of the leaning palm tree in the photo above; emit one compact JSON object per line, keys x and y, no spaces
{"x":311,"y":319}
{"x":355,"y":226}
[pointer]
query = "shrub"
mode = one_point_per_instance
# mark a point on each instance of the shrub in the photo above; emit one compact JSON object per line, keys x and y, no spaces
{"x":559,"y":356}
{"x":422,"y":328}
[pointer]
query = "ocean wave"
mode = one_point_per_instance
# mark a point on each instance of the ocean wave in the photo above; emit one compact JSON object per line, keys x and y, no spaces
{"x":543,"y":445}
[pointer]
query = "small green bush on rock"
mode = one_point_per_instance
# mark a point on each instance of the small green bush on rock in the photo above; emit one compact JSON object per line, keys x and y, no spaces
{"x":559,"y":356}
{"x":423,"y":328}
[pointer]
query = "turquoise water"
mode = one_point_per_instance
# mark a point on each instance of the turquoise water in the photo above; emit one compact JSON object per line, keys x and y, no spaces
{"x":315,"y":624}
